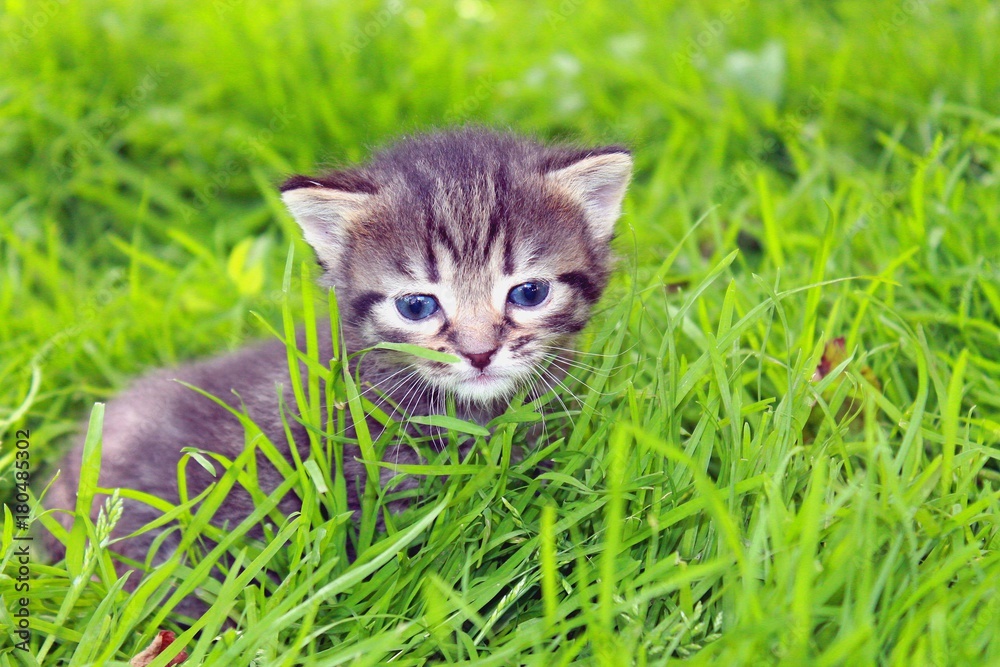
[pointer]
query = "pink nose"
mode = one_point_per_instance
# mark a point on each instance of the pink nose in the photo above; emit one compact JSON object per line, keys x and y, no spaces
{"x":479,"y":360}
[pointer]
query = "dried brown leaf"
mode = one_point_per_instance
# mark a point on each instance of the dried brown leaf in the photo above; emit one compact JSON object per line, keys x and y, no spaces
{"x":159,"y":644}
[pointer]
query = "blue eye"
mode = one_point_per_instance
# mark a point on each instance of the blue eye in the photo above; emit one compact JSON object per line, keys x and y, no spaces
{"x":416,"y":306}
{"x":529,"y":294}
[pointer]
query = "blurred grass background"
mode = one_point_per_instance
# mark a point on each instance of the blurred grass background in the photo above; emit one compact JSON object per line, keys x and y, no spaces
{"x":140,"y":147}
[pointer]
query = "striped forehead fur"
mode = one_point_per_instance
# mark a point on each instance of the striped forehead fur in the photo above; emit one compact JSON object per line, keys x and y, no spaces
{"x":462,"y":193}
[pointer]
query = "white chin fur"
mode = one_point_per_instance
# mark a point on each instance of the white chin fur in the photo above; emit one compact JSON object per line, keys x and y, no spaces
{"x":484,"y":392}
{"x":481,"y":390}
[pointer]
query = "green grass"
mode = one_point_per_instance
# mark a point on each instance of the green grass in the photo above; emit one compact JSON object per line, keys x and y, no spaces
{"x":804,"y":172}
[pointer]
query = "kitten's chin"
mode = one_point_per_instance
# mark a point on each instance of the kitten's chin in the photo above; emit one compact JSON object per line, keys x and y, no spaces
{"x":484,"y":389}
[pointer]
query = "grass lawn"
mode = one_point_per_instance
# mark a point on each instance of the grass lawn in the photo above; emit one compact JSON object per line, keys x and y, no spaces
{"x":782,"y":441}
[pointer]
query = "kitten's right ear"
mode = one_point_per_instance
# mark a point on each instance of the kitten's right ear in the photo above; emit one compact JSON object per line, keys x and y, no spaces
{"x":596,"y":179}
{"x":325,"y":209}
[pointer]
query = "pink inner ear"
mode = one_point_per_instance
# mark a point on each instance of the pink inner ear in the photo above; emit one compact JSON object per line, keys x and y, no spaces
{"x":606,"y":195}
{"x":599,"y":183}
{"x":324,"y":214}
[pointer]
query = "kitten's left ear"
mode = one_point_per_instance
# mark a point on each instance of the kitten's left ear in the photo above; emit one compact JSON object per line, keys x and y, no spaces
{"x":325,"y":209}
{"x":597,"y":181}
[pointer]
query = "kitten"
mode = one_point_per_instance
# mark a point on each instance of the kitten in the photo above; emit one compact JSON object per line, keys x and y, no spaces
{"x":480,"y":244}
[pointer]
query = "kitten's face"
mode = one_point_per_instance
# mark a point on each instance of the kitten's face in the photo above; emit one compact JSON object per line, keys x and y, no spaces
{"x":481,"y":245}
{"x":497,"y":308}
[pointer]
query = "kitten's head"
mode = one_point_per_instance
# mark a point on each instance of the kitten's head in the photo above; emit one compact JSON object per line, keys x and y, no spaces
{"x":480,"y":244}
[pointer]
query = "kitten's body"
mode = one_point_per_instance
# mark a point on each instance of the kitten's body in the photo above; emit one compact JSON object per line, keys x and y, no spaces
{"x":480,"y":223}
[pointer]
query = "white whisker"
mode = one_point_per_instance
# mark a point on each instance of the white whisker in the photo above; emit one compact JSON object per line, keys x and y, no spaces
{"x":546,"y":375}
{"x":386,"y":396}
{"x":588,"y":354}
{"x":572,"y":363}
{"x":599,"y":393}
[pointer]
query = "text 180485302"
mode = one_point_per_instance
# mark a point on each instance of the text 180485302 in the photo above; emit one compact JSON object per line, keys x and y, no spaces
{"x":22,"y":548}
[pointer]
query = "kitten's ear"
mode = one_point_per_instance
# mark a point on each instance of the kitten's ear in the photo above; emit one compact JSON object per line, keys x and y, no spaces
{"x":597,"y":180}
{"x":325,"y":208}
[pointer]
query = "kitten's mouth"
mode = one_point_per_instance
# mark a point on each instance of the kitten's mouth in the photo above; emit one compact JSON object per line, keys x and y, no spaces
{"x":486,"y":385}
{"x":485,"y":380}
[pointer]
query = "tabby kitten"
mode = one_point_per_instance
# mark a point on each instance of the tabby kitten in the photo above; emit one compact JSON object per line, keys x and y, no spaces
{"x":476,"y":243}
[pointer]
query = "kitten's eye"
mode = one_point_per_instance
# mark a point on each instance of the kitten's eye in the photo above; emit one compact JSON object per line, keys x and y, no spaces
{"x":529,"y":294}
{"x":416,"y":306}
